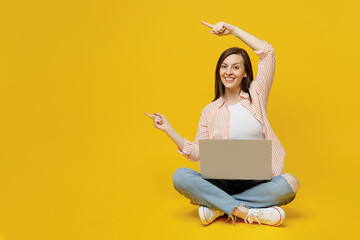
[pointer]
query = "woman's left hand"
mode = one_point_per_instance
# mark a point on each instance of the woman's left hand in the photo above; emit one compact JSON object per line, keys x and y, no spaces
{"x":220,"y":28}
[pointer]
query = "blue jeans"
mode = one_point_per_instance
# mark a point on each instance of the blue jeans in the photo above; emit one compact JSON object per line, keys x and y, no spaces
{"x":225,"y":195}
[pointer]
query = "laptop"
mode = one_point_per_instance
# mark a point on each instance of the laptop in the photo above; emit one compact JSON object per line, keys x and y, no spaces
{"x":235,"y":159}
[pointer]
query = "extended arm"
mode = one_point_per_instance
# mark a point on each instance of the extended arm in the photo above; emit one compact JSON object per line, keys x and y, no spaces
{"x":177,"y":139}
{"x":191,"y":149}
{"x":266,"y":66}
{"x":223,"y":28}
{"x":253,"y":42}
{"x":186,"y":148}
{"x":161,"y":122}
{"x":264,"y":50}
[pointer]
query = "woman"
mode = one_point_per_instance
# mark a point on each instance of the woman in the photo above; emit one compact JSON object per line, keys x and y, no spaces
{"x":238,"y":111}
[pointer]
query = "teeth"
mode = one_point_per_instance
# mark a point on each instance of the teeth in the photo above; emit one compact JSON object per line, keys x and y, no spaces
{"x":229,"y":79}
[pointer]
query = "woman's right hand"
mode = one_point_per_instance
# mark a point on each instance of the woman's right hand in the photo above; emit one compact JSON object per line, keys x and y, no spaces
{"x":160,"y":122}
{"x":220,"y":28}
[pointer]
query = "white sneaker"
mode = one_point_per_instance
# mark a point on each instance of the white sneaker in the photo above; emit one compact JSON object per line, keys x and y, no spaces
{"x":273,"y":216}
{"x":208,"y":215}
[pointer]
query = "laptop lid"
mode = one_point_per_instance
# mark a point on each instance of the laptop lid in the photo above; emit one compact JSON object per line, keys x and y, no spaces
{"x":235,"y":159}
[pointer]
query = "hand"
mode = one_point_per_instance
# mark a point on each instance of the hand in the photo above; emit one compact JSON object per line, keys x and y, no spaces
{"x":160,"y":122}
{"x":220,"y":28}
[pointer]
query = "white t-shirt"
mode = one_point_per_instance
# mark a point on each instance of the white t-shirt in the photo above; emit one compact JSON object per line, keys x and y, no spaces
{"x":243,"y":125}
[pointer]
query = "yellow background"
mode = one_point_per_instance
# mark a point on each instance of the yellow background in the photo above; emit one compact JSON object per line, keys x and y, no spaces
{"x":80,"y":160}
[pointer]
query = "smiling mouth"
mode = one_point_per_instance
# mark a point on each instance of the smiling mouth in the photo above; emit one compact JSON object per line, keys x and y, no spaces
{"x":229,"y":79}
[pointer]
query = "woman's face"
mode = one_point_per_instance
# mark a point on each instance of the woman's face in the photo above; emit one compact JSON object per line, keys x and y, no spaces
{"x":232,"y":71}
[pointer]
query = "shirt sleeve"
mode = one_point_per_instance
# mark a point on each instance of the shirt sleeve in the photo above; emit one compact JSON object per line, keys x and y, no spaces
{"x":191,"y":149}
{"x":266,"y":70}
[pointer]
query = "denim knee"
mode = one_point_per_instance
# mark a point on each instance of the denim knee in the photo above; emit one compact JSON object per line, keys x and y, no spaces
{"x":181,"y":177}
{"x":283,"y":191}
{"x":285,"y":181}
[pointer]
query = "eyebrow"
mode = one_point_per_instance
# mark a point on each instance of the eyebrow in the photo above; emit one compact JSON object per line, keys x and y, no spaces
{"x":233,"y":64}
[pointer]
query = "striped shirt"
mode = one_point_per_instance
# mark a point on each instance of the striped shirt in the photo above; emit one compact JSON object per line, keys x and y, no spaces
{"x":215,"y":117}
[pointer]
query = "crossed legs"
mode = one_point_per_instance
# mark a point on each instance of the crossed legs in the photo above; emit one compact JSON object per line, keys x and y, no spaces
{"x":222,"y":195}
{"x":241,"y":211}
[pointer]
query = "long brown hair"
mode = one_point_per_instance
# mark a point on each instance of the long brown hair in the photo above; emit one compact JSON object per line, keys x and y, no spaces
{"x":245,"y":83}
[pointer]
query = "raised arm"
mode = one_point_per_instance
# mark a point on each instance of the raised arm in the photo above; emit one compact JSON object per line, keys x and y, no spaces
{"x":266,"y":67}
{"x":264,"y":50}
{"x":253,"y":42}
{"x":266,"y":71}
{"x":223,"y":28}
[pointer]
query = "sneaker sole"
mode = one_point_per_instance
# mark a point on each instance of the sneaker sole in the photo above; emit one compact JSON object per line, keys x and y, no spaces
{"x":203,"y":219}
{"x":282,"y":216}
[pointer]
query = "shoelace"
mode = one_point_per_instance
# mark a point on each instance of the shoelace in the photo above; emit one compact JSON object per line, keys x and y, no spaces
{"x":251,"y":216}
{"x":216,"y":213}
{"x":213,"y":212}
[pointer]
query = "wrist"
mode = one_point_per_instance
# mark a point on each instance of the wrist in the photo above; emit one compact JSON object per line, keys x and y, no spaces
{"x":170,"y":131}
{"x":235,"y":31}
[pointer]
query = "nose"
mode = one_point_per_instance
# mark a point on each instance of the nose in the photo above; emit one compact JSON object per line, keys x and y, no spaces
{"x":228,"y":71}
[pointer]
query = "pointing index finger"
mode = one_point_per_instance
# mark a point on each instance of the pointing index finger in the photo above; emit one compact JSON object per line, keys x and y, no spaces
{"x":207,"y":24}
{"x":149,"y":115}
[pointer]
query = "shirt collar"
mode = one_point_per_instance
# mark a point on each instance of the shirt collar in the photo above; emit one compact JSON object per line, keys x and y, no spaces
{"x":221,"y":100}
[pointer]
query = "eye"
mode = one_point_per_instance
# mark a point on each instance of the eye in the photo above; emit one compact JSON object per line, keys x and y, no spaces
{"x":237,"y":67}
{"x":223,"y":66}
